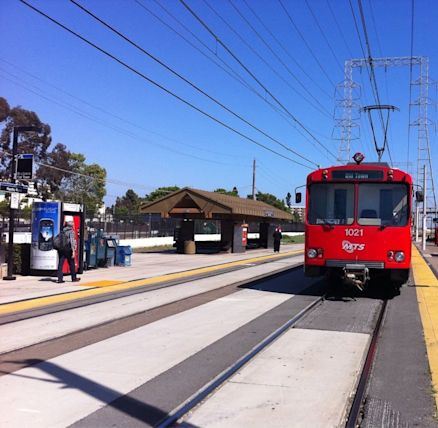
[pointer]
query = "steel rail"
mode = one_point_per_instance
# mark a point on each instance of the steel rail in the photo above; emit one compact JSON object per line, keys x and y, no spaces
{"x":356,"y":407}
{"x":189,"y":404}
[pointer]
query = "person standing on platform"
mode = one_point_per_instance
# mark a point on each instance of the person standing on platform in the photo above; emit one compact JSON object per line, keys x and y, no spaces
{"x":65,"y":244}
{"x":277,"y":239}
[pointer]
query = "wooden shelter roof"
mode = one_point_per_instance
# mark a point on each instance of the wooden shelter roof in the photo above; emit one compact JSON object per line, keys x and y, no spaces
{"x":194,"y":203}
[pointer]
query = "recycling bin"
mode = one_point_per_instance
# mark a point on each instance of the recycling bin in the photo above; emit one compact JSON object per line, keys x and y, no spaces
{"x":124,"y":253}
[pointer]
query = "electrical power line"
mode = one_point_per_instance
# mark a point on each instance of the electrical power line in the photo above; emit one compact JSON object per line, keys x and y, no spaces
{"x":321,"y":108}
{"x":106,"y":112}
{"x":153,"y":82}
{"x":371,"y":73}
{"x":286,"y":51}
{"x":190,"y":83}
{"x":305,"y":42}
{"x":339,"y":28}
{"x":218,"y":40}
{"x":315,"y":18}
{"x":121,"y":131}
{"x":410,"y":75}
{"x":227,"y":69}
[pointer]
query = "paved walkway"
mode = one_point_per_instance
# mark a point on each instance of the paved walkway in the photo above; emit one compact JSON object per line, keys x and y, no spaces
{"x":152,"y":266}
{"x":425,"y":273}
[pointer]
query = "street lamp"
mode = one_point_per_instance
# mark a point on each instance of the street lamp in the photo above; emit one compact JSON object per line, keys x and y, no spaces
{"x":17,"y":130}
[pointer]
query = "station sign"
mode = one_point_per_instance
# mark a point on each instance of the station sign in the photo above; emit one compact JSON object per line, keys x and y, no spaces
{"x":12,"y":187}
{"x":24,"y":167}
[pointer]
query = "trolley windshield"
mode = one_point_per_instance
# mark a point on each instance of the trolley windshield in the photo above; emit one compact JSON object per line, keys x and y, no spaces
{"x":331,"y":203}
{"x":383,"y":204}
{"x":378,"y":204}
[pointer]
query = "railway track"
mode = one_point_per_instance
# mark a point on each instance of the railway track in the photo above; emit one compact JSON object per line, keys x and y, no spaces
{"x":297,"y":314}
{"x":223,"y":377}
{"x":354,"y":412}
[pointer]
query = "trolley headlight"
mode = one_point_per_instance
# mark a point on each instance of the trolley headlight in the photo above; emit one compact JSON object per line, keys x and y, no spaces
{"x":399,"y":256}
{"x":312,"y":253}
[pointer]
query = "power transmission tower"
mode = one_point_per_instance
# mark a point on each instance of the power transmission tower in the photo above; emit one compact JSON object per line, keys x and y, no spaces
{"x":349,"y":105}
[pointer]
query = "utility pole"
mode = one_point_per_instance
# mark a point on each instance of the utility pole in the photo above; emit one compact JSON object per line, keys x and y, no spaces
{"x":17,"y":130}
{"x":253,"y":179}
{"x":424,"y":207}
{"x":417,"y":223}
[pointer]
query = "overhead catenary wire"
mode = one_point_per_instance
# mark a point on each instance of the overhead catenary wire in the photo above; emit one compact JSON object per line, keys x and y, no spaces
{"x":190,"y":83}
{"x":321,"y":108}
{"x":306,"y":44}
{"x":95,"y":119}
{"x":121,"y":131}
{"x":286,"y":51}
{"x":153,"y":82}
{"x":410,"y":77}
{"x":227,"y":69}
{"x":219,"y":62}
{"x":218,"y":40}
{"x":315,"y":18}
{"x":79,"y":174}
{"x":373,"y":76}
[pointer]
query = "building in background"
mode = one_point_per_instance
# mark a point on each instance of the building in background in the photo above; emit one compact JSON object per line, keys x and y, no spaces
{"x":298,"y":212}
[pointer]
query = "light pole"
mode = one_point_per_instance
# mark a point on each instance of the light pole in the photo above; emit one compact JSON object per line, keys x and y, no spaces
{"x":17,"y":130}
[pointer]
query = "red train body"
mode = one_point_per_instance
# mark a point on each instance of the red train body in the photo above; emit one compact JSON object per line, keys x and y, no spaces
{"x":358,"y":223}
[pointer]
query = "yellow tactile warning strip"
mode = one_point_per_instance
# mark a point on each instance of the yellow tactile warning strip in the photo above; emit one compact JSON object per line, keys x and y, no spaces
{"x":9,"y":308}
{"x":427,"y":296}
{"x":104,"y":283}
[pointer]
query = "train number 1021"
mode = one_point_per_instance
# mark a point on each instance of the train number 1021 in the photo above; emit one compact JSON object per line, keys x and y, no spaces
{"x":353,"y":232}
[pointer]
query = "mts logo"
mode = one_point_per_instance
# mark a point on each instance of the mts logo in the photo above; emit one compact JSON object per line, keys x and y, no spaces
{"x":350,"y":247}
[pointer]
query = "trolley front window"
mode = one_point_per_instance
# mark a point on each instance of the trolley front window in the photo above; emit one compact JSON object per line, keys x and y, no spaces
{"x":331,"y":203}
{"x":383,"y":204}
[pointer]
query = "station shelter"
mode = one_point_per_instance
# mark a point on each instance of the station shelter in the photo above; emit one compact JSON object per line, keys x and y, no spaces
{"x":234,"y":214}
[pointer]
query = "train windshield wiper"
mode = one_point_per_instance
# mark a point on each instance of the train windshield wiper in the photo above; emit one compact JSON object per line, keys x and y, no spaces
{"x":326,"y":223}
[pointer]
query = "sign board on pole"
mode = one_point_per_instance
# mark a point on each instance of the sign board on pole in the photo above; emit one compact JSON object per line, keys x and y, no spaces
{"x":12,"y":187}
{"x":24,"y":167}
{"x":15,"y":200}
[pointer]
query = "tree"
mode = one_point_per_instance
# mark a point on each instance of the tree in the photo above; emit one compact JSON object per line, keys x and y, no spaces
{"x":128,"y":204}
{"x":288,"y":200}
{"x":59,"y":160}
{"x":270,"y":199}
{"x":161,"y":192}
{"x":233,"y":192}
{"x":32,"y":142}
{"x":85,"y":185}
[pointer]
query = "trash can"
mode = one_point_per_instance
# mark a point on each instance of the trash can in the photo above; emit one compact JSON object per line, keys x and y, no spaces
{"x":189,"y":247}
{"x":124,"y":253}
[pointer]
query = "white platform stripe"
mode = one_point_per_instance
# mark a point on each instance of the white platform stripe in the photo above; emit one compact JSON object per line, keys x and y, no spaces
{"x":303,"y":379}
{"x":67,"y":388}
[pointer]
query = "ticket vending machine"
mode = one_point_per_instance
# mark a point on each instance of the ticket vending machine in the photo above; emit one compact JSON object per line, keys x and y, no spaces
{"x":75,"y":213}
{"x":47,"y":221}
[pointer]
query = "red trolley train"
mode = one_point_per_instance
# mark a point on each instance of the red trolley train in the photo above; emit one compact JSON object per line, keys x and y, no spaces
{"x":358,"y":223}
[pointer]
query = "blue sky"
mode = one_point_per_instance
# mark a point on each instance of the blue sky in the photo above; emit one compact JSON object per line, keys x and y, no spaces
{"x":143,"y":136}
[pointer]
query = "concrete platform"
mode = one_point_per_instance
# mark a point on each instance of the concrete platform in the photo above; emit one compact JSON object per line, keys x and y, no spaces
{"x":144,"y":265}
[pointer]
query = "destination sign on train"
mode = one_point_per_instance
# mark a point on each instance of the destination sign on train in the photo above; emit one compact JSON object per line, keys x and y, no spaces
{"x":357,"y":175}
